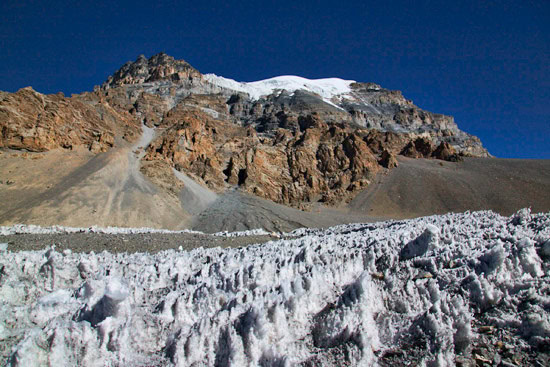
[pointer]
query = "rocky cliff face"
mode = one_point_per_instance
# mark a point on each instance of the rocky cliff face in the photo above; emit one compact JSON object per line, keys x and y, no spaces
{"x":36,"y":122}
{"x":160,"y":67}
{"x":321,"y":163}
{"x":288,"y":139}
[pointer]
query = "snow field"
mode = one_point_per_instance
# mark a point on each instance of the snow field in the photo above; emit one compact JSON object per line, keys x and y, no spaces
{"x":353,"y":293}
{"x":327,"y":88}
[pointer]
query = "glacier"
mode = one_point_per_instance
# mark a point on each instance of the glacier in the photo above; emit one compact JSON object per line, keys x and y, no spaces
{"x":327,"y":88}
{"x":429,"y":291}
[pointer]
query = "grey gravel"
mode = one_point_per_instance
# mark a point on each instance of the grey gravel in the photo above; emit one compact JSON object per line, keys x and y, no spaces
{"x":143,"y":242}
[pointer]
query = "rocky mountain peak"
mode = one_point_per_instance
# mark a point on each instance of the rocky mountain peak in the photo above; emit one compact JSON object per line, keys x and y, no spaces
{"x":159,"y":67}
{"x":288,"y":139}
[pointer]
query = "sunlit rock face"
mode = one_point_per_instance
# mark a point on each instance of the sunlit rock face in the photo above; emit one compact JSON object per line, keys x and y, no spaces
{"x":160,"y":67}
{"x":36,"y":122}
{"x":288,"y":139}
{"x":441,"y":290}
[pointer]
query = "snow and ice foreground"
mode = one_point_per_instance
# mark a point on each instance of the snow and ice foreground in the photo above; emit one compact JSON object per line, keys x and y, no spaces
{"x":424,"y":291}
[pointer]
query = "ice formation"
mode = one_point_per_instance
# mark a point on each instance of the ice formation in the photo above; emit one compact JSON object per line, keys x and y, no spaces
{"x":34,"y":229}
{"x":420,"y":291}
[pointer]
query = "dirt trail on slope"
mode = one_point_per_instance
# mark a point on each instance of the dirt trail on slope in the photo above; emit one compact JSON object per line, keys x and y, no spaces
{"x":105,"y":189}
{"x":194,"y":197}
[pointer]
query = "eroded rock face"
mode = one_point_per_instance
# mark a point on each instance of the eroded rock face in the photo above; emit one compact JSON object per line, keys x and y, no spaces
{"x":366,"y":105}
{"x":446,"y":152}
{"x":422,"y":147}
{"x":388,"y":160}
{"x":324,"y":162}
{"x":37,"y":122}
{"x":160,"y":67}
{"x":418,"y":148}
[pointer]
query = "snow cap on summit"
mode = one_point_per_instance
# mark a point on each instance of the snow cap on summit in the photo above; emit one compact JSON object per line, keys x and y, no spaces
{"x":327,"y":88}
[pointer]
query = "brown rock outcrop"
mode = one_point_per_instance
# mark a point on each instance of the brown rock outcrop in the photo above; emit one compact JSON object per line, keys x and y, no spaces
{"x":388,"y":160}
{"x":150,"y":108}
{"x":157,"y":68}
{"x":446,"y":152}
{"x":37,"y":122}
{"x":323,"y":163}
{"x":423,"y":148}
{"x":418,"y":148}
{"x":160,"y":172}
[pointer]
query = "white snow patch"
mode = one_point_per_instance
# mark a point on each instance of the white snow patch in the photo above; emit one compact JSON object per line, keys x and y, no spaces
{"x":34,"y":229}
{"x":250,"y":232}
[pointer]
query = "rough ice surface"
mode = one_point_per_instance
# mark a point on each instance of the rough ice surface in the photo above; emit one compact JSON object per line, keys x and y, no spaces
{"x":34,"y":229}
{"x":421,"y":292}
{"x":327,"y":88}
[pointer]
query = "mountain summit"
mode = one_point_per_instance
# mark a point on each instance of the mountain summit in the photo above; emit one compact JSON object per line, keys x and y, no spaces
{"x":158,"y":68}
{"x":195,"y":140}
{"x":270,"y":101}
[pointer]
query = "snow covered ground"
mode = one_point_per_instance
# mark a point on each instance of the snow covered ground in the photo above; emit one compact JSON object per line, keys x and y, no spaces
{"x":439,"y":290}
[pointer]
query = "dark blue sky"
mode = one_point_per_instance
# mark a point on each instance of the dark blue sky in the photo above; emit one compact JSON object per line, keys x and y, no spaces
{"x":484,"y":62}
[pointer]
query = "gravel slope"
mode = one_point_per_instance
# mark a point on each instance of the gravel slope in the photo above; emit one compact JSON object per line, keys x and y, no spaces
{"x":419,"y":187}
